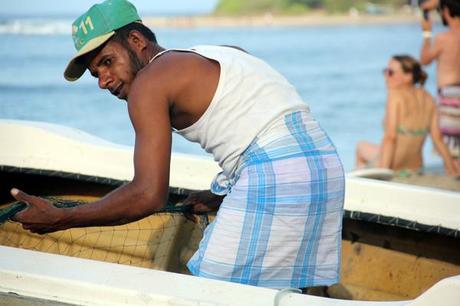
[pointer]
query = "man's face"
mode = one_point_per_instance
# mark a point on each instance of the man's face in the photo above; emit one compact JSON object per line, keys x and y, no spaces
{"x":113,"y":67}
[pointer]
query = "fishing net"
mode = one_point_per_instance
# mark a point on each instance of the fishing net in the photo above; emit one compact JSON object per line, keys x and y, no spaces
{"x":164,"y":240}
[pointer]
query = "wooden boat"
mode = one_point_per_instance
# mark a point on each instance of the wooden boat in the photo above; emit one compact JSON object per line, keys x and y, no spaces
{"x":398,"y":240}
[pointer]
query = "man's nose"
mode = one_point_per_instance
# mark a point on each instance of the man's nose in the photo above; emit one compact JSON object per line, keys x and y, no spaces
{"x":104,"y":80}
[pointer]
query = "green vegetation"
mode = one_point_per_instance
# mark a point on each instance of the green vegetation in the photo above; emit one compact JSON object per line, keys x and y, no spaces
{"x":238,"y":7}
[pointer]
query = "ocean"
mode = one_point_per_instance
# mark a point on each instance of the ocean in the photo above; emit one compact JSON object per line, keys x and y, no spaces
{"x":337,"y":69}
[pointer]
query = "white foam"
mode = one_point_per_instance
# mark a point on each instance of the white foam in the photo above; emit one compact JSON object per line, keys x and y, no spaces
{"x":36,"y":26}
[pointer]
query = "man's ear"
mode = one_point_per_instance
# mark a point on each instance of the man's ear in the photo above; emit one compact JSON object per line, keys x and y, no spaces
{"x":446,"y":12}
{"x":137,"y":41}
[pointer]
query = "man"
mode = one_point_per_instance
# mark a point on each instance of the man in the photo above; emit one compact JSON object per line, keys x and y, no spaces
{"x":445,"y":50}
{"x":282,"y":185}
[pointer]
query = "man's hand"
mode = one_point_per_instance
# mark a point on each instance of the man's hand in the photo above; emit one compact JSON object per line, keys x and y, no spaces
{"x":40,"y":216}
{"x":203,"y":201}
{"x":426,"y":24}
{"x":429,"y":5}
{"x":426,"y":7}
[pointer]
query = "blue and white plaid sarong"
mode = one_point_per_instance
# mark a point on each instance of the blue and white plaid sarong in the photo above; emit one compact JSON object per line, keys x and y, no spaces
{"x":280,"y":224}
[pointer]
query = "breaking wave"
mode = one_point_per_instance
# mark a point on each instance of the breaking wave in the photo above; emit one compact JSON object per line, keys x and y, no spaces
{"x":34,"y":26}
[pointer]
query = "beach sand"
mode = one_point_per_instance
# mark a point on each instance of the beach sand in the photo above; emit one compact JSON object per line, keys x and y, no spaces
{"x":313,"y":19}
{"x":431,"y":180}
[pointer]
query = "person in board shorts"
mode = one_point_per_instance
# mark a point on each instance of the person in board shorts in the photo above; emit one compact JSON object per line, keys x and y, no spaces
{"x":445,"y":50}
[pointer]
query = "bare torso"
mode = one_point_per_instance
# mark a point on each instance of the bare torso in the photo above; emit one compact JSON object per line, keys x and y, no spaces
{"x":448,"y":64}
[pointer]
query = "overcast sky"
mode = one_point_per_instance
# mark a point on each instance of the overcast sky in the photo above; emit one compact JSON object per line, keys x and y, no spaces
{"x":76,"y":7}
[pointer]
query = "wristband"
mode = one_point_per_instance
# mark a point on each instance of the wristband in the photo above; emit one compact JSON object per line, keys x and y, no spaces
{"x":427,"y":34}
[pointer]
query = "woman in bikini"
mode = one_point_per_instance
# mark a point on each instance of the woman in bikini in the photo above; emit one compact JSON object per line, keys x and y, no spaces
{"x":409,"y":117}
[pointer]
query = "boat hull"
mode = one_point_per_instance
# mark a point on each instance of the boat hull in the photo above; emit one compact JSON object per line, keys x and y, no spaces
{"x":398,"y":240}
{"x":379,"y":262}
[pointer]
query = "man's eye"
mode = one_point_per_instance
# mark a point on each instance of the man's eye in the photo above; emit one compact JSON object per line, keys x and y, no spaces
{"x":107,"y":62}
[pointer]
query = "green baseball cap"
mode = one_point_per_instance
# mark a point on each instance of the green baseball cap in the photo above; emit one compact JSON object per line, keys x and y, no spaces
{"x":94,"y":28}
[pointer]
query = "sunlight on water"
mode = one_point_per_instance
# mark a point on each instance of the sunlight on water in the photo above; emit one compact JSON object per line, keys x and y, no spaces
{"x":35,"y":26}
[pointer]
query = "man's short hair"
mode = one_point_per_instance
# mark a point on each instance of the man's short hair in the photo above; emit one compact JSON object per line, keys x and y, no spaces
{"x":122,"y":33}
{"x":452,"y":5}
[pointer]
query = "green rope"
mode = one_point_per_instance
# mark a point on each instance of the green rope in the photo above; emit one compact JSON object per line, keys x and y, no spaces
{"x":15,"y":207}
{"x":11,"y":210}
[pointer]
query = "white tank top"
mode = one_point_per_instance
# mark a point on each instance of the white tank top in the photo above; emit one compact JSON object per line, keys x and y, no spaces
{"x":250,"y":94}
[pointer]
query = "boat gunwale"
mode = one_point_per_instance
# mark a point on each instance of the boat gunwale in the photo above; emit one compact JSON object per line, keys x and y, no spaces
{"x":348,"y":214}
{"x":81,"y":177}
{"x":401,"y":223}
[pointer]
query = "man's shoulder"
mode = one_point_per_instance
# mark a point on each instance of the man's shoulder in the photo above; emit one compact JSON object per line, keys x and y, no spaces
{"x":175,"y":60}
{"x":160,"y":76}
{"x":169,"y":63}
{"x":440,"y":36}
{"x":447,"y":35}
{"x":172,"y":71}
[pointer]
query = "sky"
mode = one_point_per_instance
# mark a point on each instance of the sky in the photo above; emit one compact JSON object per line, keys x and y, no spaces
{"x":76,"y":7}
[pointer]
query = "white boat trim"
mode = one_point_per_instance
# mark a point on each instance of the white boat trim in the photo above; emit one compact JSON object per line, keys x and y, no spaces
{"x":88,"y":282}
{"x":52,"y":147}
{"x":423,"y":205}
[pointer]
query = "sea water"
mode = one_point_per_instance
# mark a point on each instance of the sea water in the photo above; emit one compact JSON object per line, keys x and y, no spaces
{"x":337,"y":69}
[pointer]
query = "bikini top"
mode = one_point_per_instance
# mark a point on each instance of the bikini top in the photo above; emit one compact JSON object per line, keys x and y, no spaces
{"x":412,"y":132}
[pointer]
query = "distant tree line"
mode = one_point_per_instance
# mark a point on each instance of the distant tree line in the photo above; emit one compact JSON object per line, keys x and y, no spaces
{"x":234,"y":7}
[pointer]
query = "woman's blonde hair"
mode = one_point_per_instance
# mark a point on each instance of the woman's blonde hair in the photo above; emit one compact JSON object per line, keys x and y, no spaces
{"x":411,"y":65}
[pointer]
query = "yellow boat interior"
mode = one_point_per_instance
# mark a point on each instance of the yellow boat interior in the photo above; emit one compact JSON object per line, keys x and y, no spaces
{"x":383,"y":258}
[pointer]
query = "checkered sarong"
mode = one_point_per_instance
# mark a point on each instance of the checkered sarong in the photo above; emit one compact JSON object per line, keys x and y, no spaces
{"x":280,"y":224}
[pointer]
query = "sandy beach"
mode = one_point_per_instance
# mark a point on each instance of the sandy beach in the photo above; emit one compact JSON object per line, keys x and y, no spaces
{"x":431,"y":180}
{"x":275,"y":20}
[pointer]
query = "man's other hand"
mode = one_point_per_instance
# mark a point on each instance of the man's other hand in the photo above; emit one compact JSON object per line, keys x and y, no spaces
{"x":203,"y":201}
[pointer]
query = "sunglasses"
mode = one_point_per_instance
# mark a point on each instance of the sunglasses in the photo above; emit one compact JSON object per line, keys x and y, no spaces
{"x":388,"y":71}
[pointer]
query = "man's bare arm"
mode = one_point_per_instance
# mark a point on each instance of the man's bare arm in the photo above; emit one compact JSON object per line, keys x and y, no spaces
{"x":429,"y":51}
{"x":148,"y":191}
{"x":145,"y":194}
